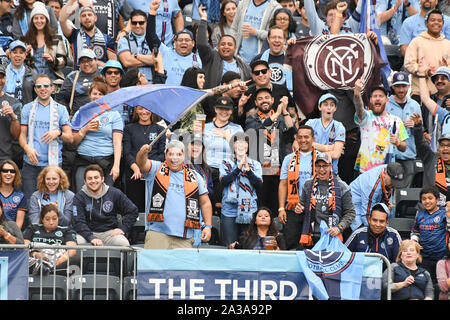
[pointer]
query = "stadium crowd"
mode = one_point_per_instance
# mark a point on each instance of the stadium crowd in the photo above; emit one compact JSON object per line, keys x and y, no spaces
{"x":246,"y":154}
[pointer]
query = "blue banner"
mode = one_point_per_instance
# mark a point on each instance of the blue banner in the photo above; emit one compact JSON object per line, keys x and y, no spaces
{"x":217,"y":274}
{"x":14,"y":274}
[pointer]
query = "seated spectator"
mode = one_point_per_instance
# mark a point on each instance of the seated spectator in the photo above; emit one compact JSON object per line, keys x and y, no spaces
{"x":241,"y":179}
{"x":19,"y":77}
{"x":15,"y":204}
{"x":9,"y":120}
{"x":216,"y":137}
{"x":378,"y":237}
{"x":44,"y":127}
{"x":99,"y":141}
{"x":48,"y":231}
{"x":223,"y":27}
{"x":409,"y":281}
{"x":430,"y":229}
{"x":443,"y":275}
{"x":74,"y":91}
{"x":133,"y":77}
{"x":177,"y":196}
{"x":10,"y":232}
{"x":282,"y":18}
{"x":262,"y":225}
{"x":329,"y":134}
{"x":143,"y":130}
{"x":47,"y":53}
{"x":52,"y":187}
{"x":97,"y":206}
{"x":22,"y":17}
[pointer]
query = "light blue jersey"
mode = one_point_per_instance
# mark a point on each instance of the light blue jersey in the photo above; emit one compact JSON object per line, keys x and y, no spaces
{"x":176,"y":64}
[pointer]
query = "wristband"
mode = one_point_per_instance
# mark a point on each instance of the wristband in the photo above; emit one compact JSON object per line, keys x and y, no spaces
{"x":281,"y":209}
{"x":286,"y":114}
{"x":208,"y":226}
{"x":421,"y":76}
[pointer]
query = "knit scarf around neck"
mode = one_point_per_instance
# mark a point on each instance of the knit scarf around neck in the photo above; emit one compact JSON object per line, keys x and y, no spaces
{"x":293,"y":176}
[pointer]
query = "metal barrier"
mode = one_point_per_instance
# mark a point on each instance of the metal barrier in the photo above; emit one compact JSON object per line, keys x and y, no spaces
{"x":102,"y":273}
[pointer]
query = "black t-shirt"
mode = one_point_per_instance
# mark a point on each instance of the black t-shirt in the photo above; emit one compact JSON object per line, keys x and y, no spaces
{"x":60,"y":236}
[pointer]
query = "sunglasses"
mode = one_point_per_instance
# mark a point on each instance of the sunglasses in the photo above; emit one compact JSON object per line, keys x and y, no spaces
{"x":43,"y":85}
{"x":115,"y":72}
{"x":258,"y":72}
{"x":141,"y":23}
{"x":8,"y":171}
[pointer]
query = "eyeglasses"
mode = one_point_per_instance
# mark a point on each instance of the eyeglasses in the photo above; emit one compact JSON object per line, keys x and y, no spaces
{"x":258,"y":72}
{"x":444,"y":145}
{"x":115,"y":72}
{"x":8,"y":171}
{"x":323,"y":166}
{"x":282,"y":19}
{"x":141,"y":23}
{"x":43,"y":85}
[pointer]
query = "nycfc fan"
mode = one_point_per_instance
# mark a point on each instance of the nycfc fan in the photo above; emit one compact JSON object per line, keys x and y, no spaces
{"x":95,"y":211}
{"x":324,"y":197}
{"x":177,"y":196}
{"x":378,"y":237}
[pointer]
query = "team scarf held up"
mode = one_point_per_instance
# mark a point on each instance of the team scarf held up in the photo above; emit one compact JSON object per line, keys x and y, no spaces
{"x":440,"y":180}
{"x":293,"y":175}
{"x":270,"y":138}
{"x":159,"y":196}
{"x":334,"y":207}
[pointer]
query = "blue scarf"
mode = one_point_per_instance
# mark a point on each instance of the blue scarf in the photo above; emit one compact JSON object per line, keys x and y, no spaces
{"x":60,"y":197}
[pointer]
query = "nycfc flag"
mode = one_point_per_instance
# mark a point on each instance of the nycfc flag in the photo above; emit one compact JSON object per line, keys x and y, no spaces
{"x":220,"y":274}
{"x":14,"y":274}
{"x":325,"y":62}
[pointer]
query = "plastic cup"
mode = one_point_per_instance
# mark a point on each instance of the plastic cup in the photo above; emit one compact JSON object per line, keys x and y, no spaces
{"x":268,"y":243}
{"x":202,"y":118}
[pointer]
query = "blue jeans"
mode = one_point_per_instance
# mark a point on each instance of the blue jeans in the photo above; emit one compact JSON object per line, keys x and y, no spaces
{"x":230,"y":229}
{"x":29,"y":179}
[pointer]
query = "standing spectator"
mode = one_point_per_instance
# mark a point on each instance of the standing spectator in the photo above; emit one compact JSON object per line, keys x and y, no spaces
{"x":374,"y":186}
{"x":133,"y":49}
{"x":302,"y":29}
{"x":413,"y":26}
{"x":177,"y":196}
{"x":99,"y":141}
{"x":430,"y":45}
{"x":88,"y":36}
{"x":74,"y":90}
{"x":326,"y":198}
{"x":409,"y":281}
{"x":443,"y":275}
{"x":97,"y":206}
{"x":217,"y":62}
{"x":9,"y":119}
{"x":44,"y":127}
{"x":329,"y":134}
{"x":223,"y":27}
{"x":271,"y":130}
{"x":233,"y":79}
{"x":282,"y":18}
{"x":52,"y":187}
{"x":250,"y":25}
{"x":241,"y":178}
{"x":22,"y":17}
{"x":297,"y":167}
{"x":430,"y":229}
{"x":9,"y":231}
{"x":216,"y":137}
{"x":378,"y":237}
{"x":135,"y":135}
{"x":402,"y":106}
{"x":6,"y":34}
{"x":14,"y":202}
{"x":380,"y":131}
{"x":47,"y":53}
{"x":19,"y":77}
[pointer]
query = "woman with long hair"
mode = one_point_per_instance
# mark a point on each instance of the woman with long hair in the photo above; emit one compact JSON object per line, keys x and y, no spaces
{"x":262,"y":225}
{"x":47,"y":51}
{"x":100,"y":140}
{"x":52,"y":187}
{"x":21,"y":17}
{"x":9,"y":231}
{"x":227,"y":13}
{"x":15,"y":203}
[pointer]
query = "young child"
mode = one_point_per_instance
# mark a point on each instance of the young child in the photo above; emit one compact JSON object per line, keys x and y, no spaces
{"x":430,"y":229}
{"x":329,"y":134}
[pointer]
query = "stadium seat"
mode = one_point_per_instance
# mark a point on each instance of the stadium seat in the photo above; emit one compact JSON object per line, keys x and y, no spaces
{"x":95,"y":287}
{"x":97,"y":262}
{"x":137,"y":234}
{"x":406,"y":201}
{"x":130,"y":288}
{"x":402,"y":225}
{"x":216,"y":235}
{"x":417,"y":181}
{"x":54,"y":287}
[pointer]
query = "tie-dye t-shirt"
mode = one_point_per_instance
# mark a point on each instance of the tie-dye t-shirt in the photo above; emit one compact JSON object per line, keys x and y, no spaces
{"x":375,"y":139}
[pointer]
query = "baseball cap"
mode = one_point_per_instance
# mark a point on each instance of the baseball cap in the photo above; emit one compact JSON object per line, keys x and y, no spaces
{"x":400,"y":78}
{"x":327,"y":96}
{"x":397,"y":174}
{"x":224,"y":102}
{"x":445,"y":137}
{"x":322,"y":157}
{"x":375,"y":88}
{"x":17,"y":43}
{"x":113,"y":64}
{"x":255,"y":63}
{"x":88,"y":53}
{"x":2,"y":69}
{"x":230,"y":76}
{"x":441,"y":70}
{"x":88,"y":8}
{"x":381,"y":207}
{"x":184,"y":31}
